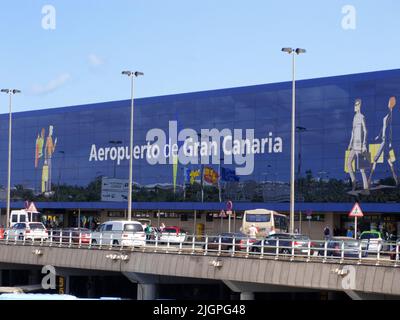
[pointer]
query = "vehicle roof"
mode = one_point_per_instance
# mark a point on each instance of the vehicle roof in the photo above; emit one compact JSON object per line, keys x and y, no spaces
{"x":262,"y":211}
{"x":371,"y":231}
{"x":233,"y":233}
{"x":123,"y":221}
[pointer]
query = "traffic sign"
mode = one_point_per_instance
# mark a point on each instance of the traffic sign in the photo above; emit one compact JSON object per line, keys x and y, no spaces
{"x":229,"y":212}
{"x":356,"y":212}
{"x":229,"y":206}
{"x":222,"y":214}
{"x":32,"y":208}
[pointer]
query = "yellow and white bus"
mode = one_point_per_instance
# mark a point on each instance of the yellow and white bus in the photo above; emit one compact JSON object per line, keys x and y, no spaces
{"x":266,"y":221}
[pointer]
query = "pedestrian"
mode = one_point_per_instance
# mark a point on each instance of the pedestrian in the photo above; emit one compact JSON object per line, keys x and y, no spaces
{"x":350,"y":233}
{"x":162,"y":227}
{"x":327,"y":233}
{"x":147,"y":230}
{"x":253,"y":231}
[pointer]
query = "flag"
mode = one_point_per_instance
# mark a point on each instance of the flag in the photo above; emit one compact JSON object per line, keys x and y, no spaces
{"x":186,"y":175}
{"x":228,"y":175}
{"x":210,"y":175}
{"x":175,"y":170}
{"x":194,"y":174}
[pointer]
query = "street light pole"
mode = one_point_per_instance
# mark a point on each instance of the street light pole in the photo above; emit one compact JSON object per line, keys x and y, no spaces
{"x":115,"y":163}
{"x":132,"y":75}
{"x":293,"y":52}
{"x":10,"y":92}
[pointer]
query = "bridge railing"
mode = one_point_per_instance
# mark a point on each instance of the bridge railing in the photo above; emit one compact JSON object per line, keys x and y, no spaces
{"x":331,"y":250}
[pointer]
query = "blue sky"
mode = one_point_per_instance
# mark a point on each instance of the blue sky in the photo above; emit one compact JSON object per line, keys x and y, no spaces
{"x":183,"y":46}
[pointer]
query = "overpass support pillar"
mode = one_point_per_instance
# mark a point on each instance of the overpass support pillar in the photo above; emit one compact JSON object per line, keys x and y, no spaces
{"x":146,"y":291}
{"x":146,"y":285}
{"x":246,"y":296}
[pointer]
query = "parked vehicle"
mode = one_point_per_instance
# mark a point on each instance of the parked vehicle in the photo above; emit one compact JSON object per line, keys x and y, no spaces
{"x":17,"y":216}
{"x":172,"y":235}
{"x":374,"y":241}
{"x":350,"y":246}
{"x":126,"y":233}
{"x":267,"y":222}
{"x":76,"y":235}
{"x":228,"y":240}
{"x":34,"y":231}
{"x":287,"y":241}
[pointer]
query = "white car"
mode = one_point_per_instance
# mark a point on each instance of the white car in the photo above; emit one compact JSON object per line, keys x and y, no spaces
{"x":374,"y":241}
{"x":34,"y":231}
{"x":172,"y":235}
{"x":125,"y":233}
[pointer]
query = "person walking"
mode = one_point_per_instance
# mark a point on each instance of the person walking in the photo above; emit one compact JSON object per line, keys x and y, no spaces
{"x":327,"y":233}
{"x":253,"y":231}
{"x":350,"y":232}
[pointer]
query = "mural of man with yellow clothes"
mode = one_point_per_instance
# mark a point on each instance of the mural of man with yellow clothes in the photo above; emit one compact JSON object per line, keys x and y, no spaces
{"x":45,"y":148}
{"x":385,"y":149}
{"x":48,"y":154}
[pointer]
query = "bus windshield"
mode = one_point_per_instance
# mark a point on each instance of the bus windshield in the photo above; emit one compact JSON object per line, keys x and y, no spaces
{"x":258,"y":217}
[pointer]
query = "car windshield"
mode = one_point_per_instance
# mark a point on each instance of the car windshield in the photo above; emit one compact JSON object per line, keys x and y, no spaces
{"x":36,"y":226}
{"x":369,"y":236}
{"x":133,"y":227}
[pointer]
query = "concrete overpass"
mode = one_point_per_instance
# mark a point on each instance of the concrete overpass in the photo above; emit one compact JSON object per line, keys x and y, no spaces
{"x":244,"y":274}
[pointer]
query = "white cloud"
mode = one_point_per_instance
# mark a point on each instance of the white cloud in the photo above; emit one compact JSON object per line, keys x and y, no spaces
{"x":52,"y":85}
{"x":95,"y":60}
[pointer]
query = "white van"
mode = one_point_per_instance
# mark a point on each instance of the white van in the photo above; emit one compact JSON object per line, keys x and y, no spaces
{"x":125,"y":233}
{"x":21,"y":216}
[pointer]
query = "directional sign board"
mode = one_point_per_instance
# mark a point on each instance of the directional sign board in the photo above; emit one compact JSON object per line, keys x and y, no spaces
{"x":114,"y":189}
{"x":356,"y":212}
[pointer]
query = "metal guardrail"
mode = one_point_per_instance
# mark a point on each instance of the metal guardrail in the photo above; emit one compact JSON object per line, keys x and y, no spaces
{"x":325,"y":251}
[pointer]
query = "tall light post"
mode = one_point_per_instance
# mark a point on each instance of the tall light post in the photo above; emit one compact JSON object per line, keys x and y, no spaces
{"x":132,"y":75}
{"x":293,"y":52}
{"x":115,"y":163}
{"x":10,"y":92}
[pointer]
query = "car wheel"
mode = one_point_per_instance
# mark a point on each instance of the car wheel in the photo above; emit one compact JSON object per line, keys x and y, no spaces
{"x":285,"y":251}
{"x":21,"y":237}
{"x":115,"y":243}
{"x":94,"y":241}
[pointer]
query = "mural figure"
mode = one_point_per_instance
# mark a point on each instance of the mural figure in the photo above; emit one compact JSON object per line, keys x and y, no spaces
{"x":48,"y":154}
{"x":357,"y":149}
{"x":39,"y":147}
{"x":385,"y":147}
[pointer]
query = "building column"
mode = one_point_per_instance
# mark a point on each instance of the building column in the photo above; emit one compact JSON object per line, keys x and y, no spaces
{"x":146,"y":291}
{"x":33,"y":277}
{"x":67,"y":282}
{"x":247,"y":296}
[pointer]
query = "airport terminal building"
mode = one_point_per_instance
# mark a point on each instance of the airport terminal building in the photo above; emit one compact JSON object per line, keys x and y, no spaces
{"x":193,"y":152}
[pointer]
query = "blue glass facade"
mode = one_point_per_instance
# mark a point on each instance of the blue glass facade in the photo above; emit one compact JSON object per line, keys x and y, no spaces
{"x":246,"y":142}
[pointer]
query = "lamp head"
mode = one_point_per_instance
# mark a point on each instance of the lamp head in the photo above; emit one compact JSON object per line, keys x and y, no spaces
{"x":299,"y":50}
{"x":127,"y":73}
{"x":131,"y":73}
{"x":287,"y":50}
